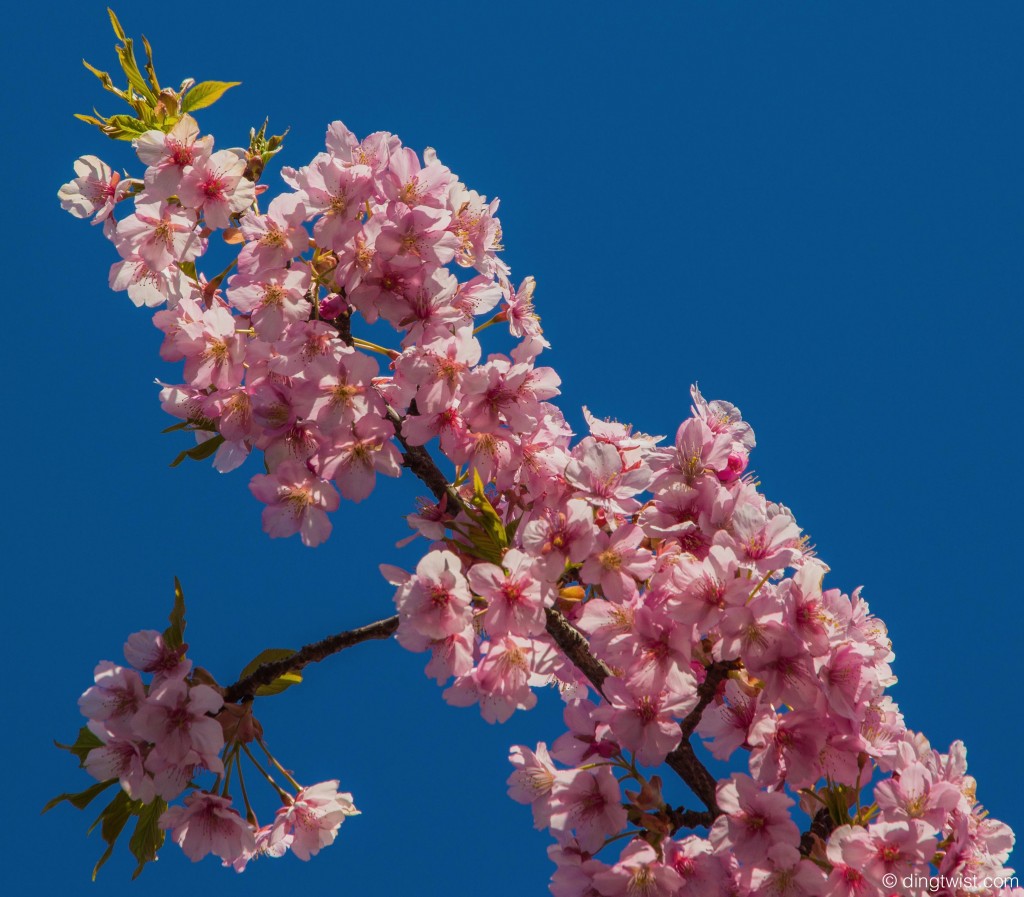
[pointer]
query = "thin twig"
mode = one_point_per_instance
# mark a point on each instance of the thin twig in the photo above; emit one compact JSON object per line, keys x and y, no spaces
{"x":312,"y":653}
{"x":576,"y":648}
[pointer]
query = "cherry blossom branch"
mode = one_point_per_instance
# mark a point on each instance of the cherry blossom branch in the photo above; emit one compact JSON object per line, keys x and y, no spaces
{"x":414,"y":457}
{"x":682,"y":818}
{"x":417,"y":459}
{"x":717,"y":673}
{"x":682,"y":760}
{"x":343,"y":324}
{"x":312,"y":653}
{"x":576,"y":648}
{"x":821,"y":827}
{"x":685,"y":763}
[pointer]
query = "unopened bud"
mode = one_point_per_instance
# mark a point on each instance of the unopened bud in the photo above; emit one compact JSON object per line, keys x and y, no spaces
{"x":324,"y":263}
{"x":238,"y":723}
{"x":333,"y":306}
{"x":572,"y":593}
{"x":168,"y":103}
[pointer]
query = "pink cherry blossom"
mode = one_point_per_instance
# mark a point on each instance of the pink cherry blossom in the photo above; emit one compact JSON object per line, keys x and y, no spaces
{"x":215,"y":351}
{"x":175,"y":719}
{"x":618,"y":562}
{"x":95,"y":191}
{"x":338,"y":191}
{"x":209,"y":824}
{"x":417,"y":236}
{"x":168,"y":155}
{"x":215,"y":186}
{"x":502,"y":681}
{"x":587,"y":802}
{"x":120,"y":759}
{"x":598,"y":472}
{"x":435,"y":602}
{"x":514,"y":595}
{"x":275,"y":238}
{"x":646,"y":724}
{"x":311,"y":821}
{"x":160,"y":234}
{"x":407,"y":182}
{"x":356,"y":457}
{"x":532,"y":781}
{"x":754,"y":820}
{"x":147,"y":651}
{"x":640,"y":872}
{"x":297,"y":502}
{"x":561,"y":535}
{"x":274,"y":298}
{"x":115,"y":698}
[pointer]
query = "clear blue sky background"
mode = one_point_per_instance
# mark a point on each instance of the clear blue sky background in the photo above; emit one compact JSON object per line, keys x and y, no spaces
{"x":814,"y":209}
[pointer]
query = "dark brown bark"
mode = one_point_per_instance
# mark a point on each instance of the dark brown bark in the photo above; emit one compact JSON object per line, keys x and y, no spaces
{"x":312,"y":653}
{"x":576,"y":648}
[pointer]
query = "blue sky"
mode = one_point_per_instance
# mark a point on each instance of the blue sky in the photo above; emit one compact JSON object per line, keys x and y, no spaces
{"x":815,"y":210}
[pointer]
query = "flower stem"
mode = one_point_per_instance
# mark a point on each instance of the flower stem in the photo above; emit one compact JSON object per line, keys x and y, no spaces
{"x":273,"y":760}
{"x":373,"y":347}
{"x":284,"y":795}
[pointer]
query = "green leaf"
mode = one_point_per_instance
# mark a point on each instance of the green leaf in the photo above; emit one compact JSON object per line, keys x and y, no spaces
{"x":112,"y":821}
{"x":81,"y":799}
{"x":201,"y":452}
{"x":148,"y":837}
{"x":489,"y":518}
{"x":89,"y":119}
{"x":275,"y":143}
{"x":150,"y":70}
{"x":486,"y":552}
{"x":205,"y":93}
{"x":193,"y":423}
{"x":511,"y":529}
{"x":174,"y":634}
{"x":118,"y":30}
{"x":85,"y":742}
{"x":107,"y":81}
{"x":124,"y":127}
{"x":280,"y":684}
{"x":103,"y":76}
{"x":131,"y":70}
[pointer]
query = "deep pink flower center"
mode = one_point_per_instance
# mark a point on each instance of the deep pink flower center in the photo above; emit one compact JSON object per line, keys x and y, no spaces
{"x":757,"y":547}
{"x":179,"y":718}
{"x":212,"y":187}
{"x":890,"y":853}
{"x":512,"y":592}
{"x":646,"y":710}
{"x":181,"y":155}
{"x":756,"y":823}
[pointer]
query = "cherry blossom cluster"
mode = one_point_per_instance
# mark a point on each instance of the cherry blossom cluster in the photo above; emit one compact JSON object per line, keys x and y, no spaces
{"x":673,"y":565}
{"x":156,"y":738}
{"x":655,"y":585}
{"x":269,"y":360}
